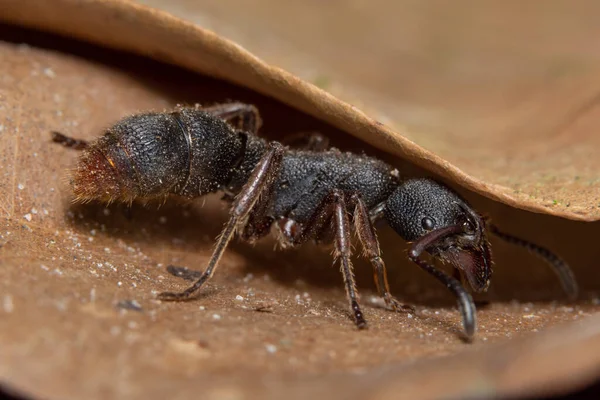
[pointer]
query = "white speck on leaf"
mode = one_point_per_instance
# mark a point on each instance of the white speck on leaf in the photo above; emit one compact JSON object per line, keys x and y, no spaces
{"x":8,"y":304}
{"x":49,"y":72}
{"x":271,"y":348}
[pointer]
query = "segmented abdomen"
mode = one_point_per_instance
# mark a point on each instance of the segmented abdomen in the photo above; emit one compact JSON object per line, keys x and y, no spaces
{"x":186,"y":152}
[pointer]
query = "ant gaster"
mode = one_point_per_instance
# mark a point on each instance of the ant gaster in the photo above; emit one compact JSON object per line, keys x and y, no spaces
{"x":307,"y":192}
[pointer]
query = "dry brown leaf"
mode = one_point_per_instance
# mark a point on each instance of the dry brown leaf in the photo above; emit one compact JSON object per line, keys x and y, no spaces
{"x":533,"y":147}
{"x":78,"y":317}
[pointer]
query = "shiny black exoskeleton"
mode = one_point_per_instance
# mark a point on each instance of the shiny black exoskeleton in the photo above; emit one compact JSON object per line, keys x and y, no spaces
{"x":305,"y":192}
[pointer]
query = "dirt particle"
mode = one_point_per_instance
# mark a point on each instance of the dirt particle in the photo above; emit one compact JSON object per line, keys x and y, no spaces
{"x":266,"y":308}
{"x":20,"y":186}
{"x":132,"y":305}
{"x":271,"y":348}
{"x":49,"y":72}
{"x":196,"y":348}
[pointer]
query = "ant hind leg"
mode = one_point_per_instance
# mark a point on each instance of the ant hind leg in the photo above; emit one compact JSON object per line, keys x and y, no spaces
{"x":262,"y":178}
{"x":313,"y":141}
{"x":241,"y":115}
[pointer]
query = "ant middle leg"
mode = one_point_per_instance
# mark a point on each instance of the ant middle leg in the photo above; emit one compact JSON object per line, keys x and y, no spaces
{"x":246,"y":115}
{"x":262,"y":178}
{"x":343,"y":247}
{"x":368,"y":238}
{"x":332,"y":212}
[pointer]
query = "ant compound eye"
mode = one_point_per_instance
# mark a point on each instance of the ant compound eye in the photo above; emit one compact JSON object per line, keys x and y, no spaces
{"x":427,"y":223}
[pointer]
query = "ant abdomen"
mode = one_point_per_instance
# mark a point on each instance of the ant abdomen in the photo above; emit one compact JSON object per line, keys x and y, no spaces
{"x":185,"y":152}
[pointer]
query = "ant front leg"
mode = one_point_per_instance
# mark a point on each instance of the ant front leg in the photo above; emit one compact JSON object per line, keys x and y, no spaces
{"x":368,"y":239}
{"x":262,"y":178}
{"x":68,"y":141}
{"x":247,"y":115}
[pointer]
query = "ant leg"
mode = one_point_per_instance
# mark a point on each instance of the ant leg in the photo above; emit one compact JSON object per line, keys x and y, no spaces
{"x":247,"y":115}
{"x":69,"y":142}
{"x":258,"y":223}
{"x":343,"y":248}
{"x":313,"y":141}
{"x":368,"y":238}
{"x":465,"y":301}
{"x":256,"y":227}
{"x":262,"y":178}
{"x":456,"y":274}
{"x":333,"y":207}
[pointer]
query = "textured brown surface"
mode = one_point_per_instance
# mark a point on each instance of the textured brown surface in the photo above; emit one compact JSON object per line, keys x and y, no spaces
{"x":506,"y":93}
{"x":64,"y":270}
{"x":503,"y":106}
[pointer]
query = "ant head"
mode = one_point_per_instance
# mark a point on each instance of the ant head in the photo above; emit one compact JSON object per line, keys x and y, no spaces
{"x":425,"y":211}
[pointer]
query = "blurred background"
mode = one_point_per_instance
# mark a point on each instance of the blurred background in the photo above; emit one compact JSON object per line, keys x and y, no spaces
{"x":467,"y":79}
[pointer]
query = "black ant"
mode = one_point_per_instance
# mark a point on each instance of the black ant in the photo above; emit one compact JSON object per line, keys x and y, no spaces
{"x":310,"y":192}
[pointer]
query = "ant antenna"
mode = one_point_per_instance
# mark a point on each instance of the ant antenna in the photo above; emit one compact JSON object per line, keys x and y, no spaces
{"x":559,"y":266}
